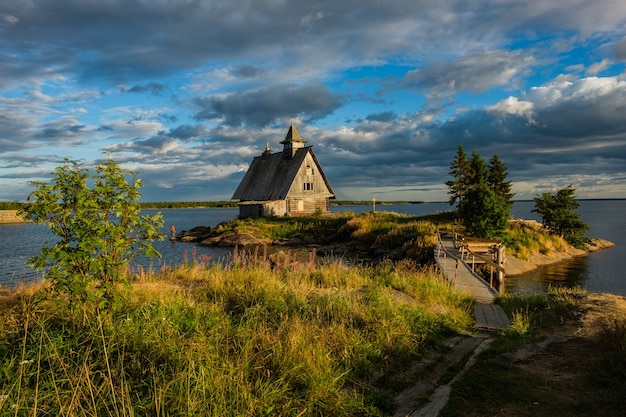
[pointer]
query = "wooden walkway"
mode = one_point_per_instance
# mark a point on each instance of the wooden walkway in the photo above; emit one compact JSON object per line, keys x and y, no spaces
{"x":460,"y":274}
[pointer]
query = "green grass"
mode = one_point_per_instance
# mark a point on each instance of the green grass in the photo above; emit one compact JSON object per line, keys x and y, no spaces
{"x":228,"y":341}
{"x":522,"y":240}
{"x":381,"y":234}
{"x":589,"y":377}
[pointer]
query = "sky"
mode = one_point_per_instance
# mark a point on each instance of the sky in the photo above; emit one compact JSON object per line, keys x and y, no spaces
{"x":188,"y":92}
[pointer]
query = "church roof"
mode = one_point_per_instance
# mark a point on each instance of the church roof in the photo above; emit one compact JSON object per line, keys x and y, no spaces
{"x":270,"y":177}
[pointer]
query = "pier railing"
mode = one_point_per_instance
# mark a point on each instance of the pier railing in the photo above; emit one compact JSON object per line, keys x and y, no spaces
{"x":471,"y":258}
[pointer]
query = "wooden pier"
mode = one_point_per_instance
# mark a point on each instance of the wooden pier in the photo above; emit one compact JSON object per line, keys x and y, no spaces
{"x":457,"y":264}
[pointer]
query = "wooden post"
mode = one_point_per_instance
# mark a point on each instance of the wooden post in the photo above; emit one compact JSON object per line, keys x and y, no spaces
{"x":501,"y":257}
{"x":373,"y":204}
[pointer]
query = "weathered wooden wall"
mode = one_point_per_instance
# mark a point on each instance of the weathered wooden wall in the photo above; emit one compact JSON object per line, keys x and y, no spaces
{"x":309,"y":173}
{"x":276,"y":208}
{"x":304,"y":206}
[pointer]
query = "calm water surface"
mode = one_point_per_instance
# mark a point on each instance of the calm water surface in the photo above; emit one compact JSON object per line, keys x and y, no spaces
{"x":602,"y":271}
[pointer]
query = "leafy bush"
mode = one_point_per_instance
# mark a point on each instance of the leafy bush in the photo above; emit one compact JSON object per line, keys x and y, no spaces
{"x":99,"y":230}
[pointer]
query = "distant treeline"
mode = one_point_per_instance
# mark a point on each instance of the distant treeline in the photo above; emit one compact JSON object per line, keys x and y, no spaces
{"x":16,"y":205}
{"x":10,"y":205}
{"x":188,"y":204}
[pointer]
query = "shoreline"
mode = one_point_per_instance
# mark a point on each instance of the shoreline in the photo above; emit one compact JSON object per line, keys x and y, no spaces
{"x":516,"y":267}
{"x":11,"y":217}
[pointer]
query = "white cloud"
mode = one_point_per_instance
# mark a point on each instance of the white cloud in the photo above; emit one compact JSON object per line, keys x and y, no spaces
{"x":594,"y":69}
{"x":512,"y":105}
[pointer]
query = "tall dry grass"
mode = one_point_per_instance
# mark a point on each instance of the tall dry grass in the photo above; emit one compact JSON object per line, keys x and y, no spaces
{"x":245,"y":337}
{"x":522,"y":240}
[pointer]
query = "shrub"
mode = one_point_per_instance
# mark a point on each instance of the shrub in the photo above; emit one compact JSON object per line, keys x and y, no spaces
{"x":99,"y":230}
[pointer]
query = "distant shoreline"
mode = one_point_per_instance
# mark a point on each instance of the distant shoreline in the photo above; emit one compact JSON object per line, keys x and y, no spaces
{"x":11,"y":217}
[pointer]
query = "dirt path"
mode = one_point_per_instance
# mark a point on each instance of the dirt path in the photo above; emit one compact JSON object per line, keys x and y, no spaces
{"x":428,"y":388}
{"x":556,"y":359}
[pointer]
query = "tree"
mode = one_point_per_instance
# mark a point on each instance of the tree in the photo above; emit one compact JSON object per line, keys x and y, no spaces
{"x":459,"y":170}
{"x":482,"y":192}
{"x":100,"y":230}
{"x":496,"y":179}
{"x":477,"y":173}
{"x":484,"y":214}
{"x":557,"y":214}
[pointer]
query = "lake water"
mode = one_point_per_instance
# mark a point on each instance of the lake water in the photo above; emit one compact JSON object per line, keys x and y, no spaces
{"x":602,"y":271}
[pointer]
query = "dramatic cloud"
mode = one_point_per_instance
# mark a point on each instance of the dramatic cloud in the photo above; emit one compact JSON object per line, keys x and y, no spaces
{"x":268,"y":105}
{"x":187,"y":92}
{"x":476,"y":73}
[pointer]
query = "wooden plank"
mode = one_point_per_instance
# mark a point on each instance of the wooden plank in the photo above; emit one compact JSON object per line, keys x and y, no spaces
{"x":463,"y":278}
{"x":490,"y":316}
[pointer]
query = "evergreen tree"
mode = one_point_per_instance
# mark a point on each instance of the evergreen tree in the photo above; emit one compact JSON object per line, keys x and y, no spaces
{"x":496,"y":179}
{"x":482,"y":192}
{"x":557,"y":213}
{"x":459,"y":170}
{"x":484,"y":214}
{"x":477,"y":170}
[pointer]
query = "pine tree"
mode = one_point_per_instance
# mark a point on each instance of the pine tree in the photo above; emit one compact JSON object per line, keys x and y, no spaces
{"x":483,"y":213}
{"x":477,"y":170}
{"x":482,"y":192}
{"x":496,"y":179}
{"x":459,"y":170}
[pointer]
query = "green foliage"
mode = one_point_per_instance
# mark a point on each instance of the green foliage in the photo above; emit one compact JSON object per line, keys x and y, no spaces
{"x":311,"y":228}
{"x":10,"y":205}
{"x":459,"y":170}
{"x":483,"y":194}
{"x":557,"y":213}
{"x":99,"y":229}
{"x":231,"y":341}
{"x":392,"y":234}
{"x":483,"y":213}
{"x":496,"y":180}
{"x":189,"y":204}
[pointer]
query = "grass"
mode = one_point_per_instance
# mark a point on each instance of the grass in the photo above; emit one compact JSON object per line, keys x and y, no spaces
{"x":523,"y":239}
{"x":379,"y":234}
{"x":253,"y":337}
{"x":228,"y":340}
{"x":389,"y":235}
{"x":583,"y":376}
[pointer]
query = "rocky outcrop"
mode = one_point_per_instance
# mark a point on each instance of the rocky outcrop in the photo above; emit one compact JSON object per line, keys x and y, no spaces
{"x":231,"y":238}
{"x":196,"y":234}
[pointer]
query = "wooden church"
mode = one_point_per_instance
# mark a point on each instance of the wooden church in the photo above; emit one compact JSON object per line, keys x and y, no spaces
{"x":287,"y":183}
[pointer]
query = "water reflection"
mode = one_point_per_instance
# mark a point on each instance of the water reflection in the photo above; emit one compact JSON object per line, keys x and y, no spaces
{"x":571,"y":273}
